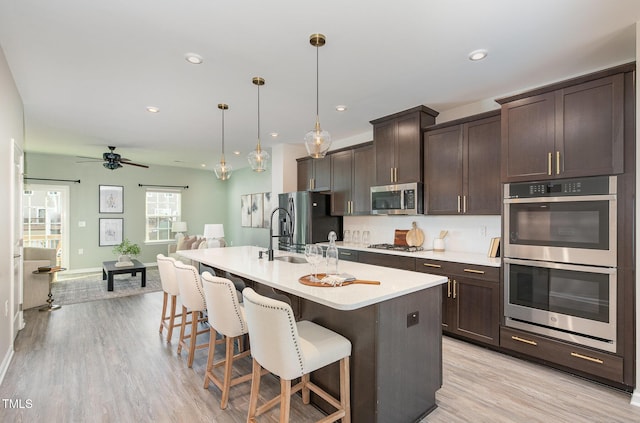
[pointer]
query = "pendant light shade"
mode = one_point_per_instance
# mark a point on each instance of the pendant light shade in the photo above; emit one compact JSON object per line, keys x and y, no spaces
{"x":317,"y":141}
{"x":258,"y":158}
{"x":223,"y":169}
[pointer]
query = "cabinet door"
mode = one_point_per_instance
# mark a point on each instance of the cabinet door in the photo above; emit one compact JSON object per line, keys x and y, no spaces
{"x":384,"y":135}
{"x":363,"y":179}
{"x":305,"y":173}
{"x":477,"y":309}
{"x":590,"y":128}
{"x":322,"y":174}
{"x":481,"y":163}
{"x":443,"y":170}
{"x":448,"y":307}
{"x":408,"y":152}
{"x":341,"y":182}
{"x":528,"y":138}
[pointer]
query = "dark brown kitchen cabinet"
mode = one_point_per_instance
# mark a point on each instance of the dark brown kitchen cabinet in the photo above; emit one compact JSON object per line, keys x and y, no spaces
{"x":398,"y":145}
{"x":462,"y":166}
{"x":470,"y":301}
{"x":352,"y":175}
{"x":565,"y":130}
{"x":387,"y":260}
{"x":314,"y":174}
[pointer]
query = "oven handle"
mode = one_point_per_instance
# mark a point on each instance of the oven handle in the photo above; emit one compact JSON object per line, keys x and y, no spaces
{"x":561,"y":266}
{"x":563,"y":199}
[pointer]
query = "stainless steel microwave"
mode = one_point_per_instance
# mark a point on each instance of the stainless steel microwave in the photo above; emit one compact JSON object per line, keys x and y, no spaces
{"x":401,"y":199}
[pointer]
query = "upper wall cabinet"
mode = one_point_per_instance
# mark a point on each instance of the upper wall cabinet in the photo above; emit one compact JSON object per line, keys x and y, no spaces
{"x":314,"y":174}
{"x":352,"y":175}
{"x":566,"y":130}
{"x":398,"y":145}
{"x":462,"y":166}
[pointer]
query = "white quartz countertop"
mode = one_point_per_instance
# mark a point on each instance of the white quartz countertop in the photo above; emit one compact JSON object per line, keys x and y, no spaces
{"x":244,"y":262}
{"x":455,"y":256}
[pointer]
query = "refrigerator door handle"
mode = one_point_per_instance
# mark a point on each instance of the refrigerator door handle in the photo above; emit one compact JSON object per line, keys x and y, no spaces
{"x":292,"y":213}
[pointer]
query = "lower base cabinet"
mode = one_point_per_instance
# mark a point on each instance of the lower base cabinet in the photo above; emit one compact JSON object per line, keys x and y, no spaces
{"x":598,"y":363}
{"x":470,"y":299}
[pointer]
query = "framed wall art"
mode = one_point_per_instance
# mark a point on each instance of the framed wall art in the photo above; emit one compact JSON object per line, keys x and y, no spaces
{"x":270,"y":202}
{"x":111,"y":199}
{"x":111,"y":231}
{"x":245,"y":209}
{"x":256,"y":211}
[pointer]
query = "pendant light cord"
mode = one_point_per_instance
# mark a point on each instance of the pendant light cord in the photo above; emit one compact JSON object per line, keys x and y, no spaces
{"x":317,"y":84}
{"x":259,"y":116}
{"x":222,"y":134}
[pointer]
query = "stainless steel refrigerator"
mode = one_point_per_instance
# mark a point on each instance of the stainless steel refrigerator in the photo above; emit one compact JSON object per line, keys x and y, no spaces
{"x":310,"y":220}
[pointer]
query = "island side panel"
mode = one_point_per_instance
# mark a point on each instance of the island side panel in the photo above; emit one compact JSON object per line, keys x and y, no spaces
{"x":359,"y":326}
{"x":409,"y":355}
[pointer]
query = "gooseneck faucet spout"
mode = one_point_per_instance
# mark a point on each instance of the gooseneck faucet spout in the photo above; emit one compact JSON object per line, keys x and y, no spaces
{"x":271,"y":235}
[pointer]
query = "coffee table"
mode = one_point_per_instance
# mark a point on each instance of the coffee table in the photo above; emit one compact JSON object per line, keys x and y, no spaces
{"x":109,"y":269}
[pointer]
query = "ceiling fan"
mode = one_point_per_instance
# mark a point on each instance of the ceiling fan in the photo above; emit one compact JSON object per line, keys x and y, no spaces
{"x":113,"y":160}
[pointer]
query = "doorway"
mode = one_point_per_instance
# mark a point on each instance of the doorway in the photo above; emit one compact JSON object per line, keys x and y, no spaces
{"x":45,"y":217}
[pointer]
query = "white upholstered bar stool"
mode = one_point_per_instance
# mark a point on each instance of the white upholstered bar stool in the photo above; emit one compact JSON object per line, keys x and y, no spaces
{"x":226,"y":317}
{"x":170,"y":289}
{"x":291,"y":350}
{"x":193,"y":301}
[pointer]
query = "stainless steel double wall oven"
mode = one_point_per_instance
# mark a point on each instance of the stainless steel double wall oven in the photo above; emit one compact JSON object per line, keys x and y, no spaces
{"x":560,"y":259}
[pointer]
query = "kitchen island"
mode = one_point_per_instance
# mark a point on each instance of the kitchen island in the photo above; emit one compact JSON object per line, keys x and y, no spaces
{"x":394,"y":327}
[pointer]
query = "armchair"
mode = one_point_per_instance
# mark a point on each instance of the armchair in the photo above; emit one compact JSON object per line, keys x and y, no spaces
{"x":36,"y":287}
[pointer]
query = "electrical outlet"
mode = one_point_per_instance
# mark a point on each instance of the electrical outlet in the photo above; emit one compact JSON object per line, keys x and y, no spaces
{"x":80,"y":251}
{"x":82,"y":224}
{"x":6,"y":308}
{"x":483,"y":231}
{"x":413,"y":318}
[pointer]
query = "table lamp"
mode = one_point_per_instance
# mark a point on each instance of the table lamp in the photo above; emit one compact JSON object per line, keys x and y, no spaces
{"x":214,"y":233}
{"x":179,"y":228}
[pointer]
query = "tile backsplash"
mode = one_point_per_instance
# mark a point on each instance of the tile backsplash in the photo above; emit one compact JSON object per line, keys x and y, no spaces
{"x":471,"y":234}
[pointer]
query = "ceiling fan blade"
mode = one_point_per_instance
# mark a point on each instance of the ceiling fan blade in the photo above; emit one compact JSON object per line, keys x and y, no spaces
{"x":134,"y":164}
{"x":91,"y":158}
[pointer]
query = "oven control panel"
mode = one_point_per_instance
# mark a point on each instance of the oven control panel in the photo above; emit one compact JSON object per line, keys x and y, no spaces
{"x":599,"y":185}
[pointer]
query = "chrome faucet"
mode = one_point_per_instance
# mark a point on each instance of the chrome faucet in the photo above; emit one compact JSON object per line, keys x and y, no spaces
{"x":271,"y":235}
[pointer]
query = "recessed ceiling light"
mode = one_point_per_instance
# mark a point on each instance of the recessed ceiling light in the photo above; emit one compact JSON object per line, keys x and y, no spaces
{"x":478,"y":55}
{"x":237,"y":153}
{"x":203,"y":165}
{"x":341,"y":107}
{"x":153,"y":109}
{"x":273,"y":134}
{"x":194,"y":59}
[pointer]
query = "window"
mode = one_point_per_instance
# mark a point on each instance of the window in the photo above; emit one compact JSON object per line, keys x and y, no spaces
{"x":162,"y":208}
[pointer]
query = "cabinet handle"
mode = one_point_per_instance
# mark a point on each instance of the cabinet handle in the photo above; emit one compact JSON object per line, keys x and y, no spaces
{"x":549,"y":157}
{"x":481,"y":272}
{"x":458,"y":204}
{"x":526,"y":341}
{"x":395,"y":174}
{"x":344,"y":253}
{"x":448,"y":288}
{"x":464,"y":204}
{"x":586,"y":357}
{"x":557,"y":162}
{"x":432,"y":265}
{"x":391,"y":170}
{"x":454,"y":288}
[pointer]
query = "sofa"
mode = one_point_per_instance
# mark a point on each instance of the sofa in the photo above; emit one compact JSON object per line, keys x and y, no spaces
{"x":36,"y":286}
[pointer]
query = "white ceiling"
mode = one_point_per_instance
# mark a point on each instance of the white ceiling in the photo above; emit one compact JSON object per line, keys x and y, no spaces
{"x":86,"y":70}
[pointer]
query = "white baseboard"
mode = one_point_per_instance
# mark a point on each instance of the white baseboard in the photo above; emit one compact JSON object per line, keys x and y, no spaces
{"x":4,"y":366}
{"x":635,"y":398}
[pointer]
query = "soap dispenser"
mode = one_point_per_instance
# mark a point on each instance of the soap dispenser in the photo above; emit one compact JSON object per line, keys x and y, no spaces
{"x":332,"y":255}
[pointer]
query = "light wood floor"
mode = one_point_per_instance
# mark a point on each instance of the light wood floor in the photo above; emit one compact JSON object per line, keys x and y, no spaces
{"x":104,"y":361}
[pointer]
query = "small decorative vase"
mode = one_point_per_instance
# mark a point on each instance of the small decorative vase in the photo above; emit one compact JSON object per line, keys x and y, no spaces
{"x":124,"y":258}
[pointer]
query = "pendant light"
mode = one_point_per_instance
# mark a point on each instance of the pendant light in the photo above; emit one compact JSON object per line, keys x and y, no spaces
{"x":317,"y":140}
{"x":222,"y":169}
{"x":258,"y":158}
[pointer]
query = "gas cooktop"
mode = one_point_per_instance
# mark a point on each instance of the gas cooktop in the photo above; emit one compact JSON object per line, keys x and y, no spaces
{"x":396,"y":247}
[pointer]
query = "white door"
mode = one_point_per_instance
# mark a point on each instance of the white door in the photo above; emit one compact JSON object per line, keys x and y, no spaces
{"x":16,"y":218}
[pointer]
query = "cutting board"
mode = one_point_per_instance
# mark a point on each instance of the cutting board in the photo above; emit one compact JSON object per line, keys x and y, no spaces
{"x":306,"y":280}
{"x":400,"y":237}
{"x":415,"y":236}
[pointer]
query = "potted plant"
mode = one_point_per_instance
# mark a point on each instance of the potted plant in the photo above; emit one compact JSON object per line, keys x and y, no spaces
{"x":125,"y":250}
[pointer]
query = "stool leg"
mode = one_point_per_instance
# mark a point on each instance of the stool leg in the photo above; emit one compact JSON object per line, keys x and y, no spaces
{"x":182,"y":327}
{"x":255,"y":390}
{"x":226,"y":385}
{"x":212,"y":351}
{"x":306,"y":397}
{"x":172,"y":317}
{"x":285,"y":400}
{"x":194,"y":334}
{"x":345,"y":386}
{"x":164,"y":309}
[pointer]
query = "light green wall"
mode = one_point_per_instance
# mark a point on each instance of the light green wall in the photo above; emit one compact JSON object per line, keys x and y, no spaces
{"x":203,"y":202}
{"x":245,"y":181}
{"x":207,"y":200}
